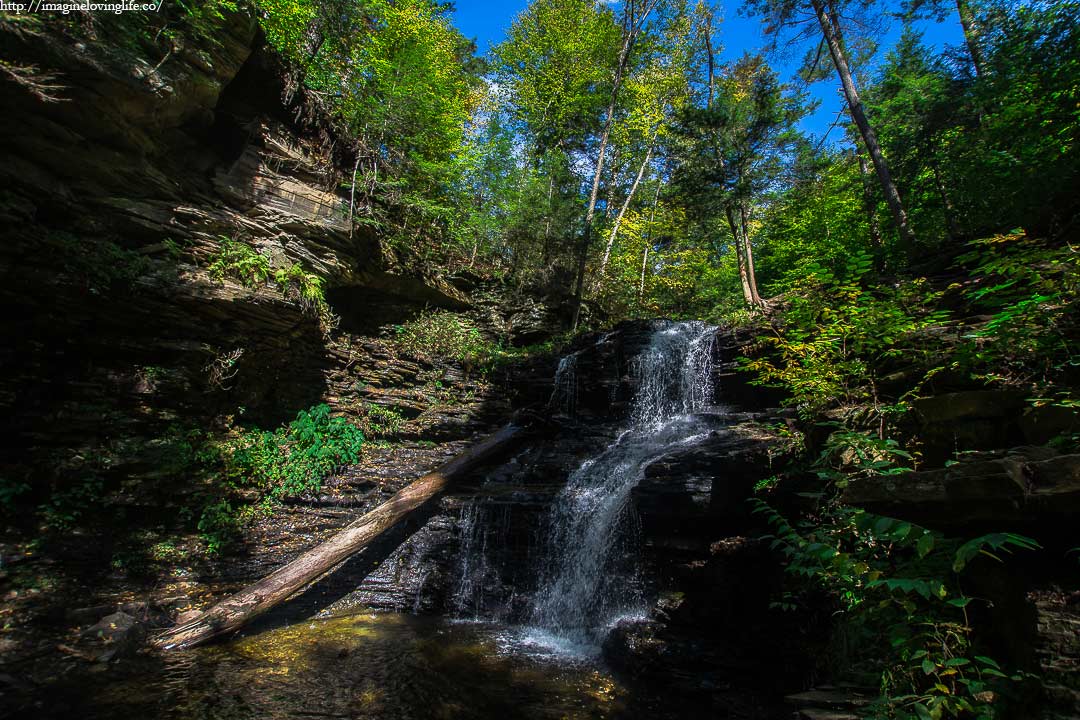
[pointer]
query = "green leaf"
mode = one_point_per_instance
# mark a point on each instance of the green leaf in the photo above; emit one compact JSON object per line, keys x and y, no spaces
{"x":925,"y":545}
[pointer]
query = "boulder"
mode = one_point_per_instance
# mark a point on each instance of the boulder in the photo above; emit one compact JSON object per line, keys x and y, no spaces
{"x":120,"y":634}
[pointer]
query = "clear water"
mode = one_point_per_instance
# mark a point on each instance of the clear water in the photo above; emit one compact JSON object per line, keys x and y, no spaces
{"x":367,"y":666}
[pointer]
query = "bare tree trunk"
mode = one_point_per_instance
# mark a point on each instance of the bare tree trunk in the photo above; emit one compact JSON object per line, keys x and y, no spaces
{"x":641,"y":285}
{"x":971,"y":35}
{"x":743,"y":252}
{"x":619,"y":218}
{"x":613,"y":184}
{"x":546,"y":254}
{"x":236,"y":611}
{"x":352,"y":192}
{"x":736,"y":239}
{"x":748,"y":253}
{"x":632,"y":28}
{"x":892,"y":194}
{"x":648,"y":240}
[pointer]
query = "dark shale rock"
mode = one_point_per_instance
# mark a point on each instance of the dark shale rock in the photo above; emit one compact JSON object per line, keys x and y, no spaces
{"x":1023,"y":488}
{"x":968,"y":420}
{"x":1043,"y":424}
{"x":686,"y":497}
{"x":1058,"y":652}
{"x":118,"y":200}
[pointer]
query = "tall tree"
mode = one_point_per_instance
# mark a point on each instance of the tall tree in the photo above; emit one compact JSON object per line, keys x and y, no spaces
{"x":655,"y":93}
{"x":635,"y":15}
{"x":782,"y":15}
{"x":969,"y":23}
{"x":554,"y":71}
{"x":732,"y":151}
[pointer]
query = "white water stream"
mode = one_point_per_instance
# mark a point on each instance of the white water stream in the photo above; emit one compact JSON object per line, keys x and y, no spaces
{"x":590,"y":579}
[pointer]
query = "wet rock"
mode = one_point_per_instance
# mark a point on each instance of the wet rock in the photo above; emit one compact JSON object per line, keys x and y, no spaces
{"x":827,"y":702}
{"x":119,"y":633}
{"x":635,"y":647}
{"x":413,"y":578}
{"x":686,"y":495}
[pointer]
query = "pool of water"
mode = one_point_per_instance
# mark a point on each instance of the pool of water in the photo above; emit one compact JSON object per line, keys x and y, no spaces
{"x":386,"y":666}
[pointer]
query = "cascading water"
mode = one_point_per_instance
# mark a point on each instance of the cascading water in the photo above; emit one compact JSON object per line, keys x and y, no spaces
{"x":564,"y":397}
{"x":590,"y":579}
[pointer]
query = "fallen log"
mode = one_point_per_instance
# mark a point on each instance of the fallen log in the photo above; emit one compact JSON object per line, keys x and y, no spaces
{"x":239,"y":609}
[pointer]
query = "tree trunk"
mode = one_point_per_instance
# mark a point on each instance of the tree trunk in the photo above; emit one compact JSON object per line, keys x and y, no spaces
{"x":648,"y":240}
{"x":971,"y":35}
{"x":546,"y":253}
{"x":619,"y":218}
{"x":892,"y":195}
{"x":236,"y":611}
{"x":736,"y":240}
{"x":633,"y":27}
{"x":352,"y":191}
{"x":946,"y":202}
{"x":743,"y":252}
{"x":748,"y":253}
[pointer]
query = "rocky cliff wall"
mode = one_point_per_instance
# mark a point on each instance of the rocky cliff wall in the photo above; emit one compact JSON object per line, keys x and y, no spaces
{"x":125,"y":178}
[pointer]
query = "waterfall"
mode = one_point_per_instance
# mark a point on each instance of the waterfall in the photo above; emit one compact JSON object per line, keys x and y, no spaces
{"x":564,"y":397}
{"x":590,"y":578}
{"x":472,"y":562}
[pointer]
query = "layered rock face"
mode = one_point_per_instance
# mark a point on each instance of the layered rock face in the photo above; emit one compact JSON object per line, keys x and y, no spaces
{"x":126,"y":183}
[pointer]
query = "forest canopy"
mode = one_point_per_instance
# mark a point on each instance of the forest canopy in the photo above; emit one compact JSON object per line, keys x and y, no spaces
{"x":609,"y":154}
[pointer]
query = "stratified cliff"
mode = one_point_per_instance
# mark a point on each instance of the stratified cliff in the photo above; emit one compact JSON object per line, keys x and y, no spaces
{"x":128,"y":181}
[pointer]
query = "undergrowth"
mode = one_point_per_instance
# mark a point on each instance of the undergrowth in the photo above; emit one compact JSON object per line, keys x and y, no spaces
{"x":902,"y":619}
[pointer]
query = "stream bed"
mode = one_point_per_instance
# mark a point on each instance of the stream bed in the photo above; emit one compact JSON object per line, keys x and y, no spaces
{"x":372,"y":665}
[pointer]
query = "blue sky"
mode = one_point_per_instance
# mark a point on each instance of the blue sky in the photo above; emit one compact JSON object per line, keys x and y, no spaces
{"x":487,"y":22}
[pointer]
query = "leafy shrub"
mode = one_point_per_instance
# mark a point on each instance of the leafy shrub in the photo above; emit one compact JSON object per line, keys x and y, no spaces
{"x":10,"y":490}
{"x":447,"y":335}
{"x":835,"y":330}
{"x":296,"y":458}
{"x":382,"y":422}
{"x":1032,"y":290}
{"x":68,"y":505}
{"x":902,"y":608}
{"x":101,"y":265}
{"x":306,"y":288}
{"x":257,"y":468}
